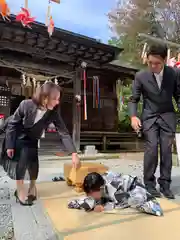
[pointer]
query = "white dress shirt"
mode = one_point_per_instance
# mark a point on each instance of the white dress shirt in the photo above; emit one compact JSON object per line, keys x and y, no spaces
{"x":159,"y":78}
{"x":40,"y":113}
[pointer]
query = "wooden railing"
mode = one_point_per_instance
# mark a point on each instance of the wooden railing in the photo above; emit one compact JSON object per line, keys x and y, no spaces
{"x":112,"y":140}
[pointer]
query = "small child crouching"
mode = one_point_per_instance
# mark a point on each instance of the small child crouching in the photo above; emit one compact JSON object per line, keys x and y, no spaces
{"x":115,"y":191}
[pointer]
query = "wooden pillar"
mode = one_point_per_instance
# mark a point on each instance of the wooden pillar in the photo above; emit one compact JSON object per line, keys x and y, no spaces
{"x":76,"y":109}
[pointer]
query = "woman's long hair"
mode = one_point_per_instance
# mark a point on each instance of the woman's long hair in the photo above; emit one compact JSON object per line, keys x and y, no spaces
{"x":44,"y":92}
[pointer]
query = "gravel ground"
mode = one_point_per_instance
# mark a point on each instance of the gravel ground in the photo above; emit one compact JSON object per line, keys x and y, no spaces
{"x":6,"y":222}
{"x":50,"y":169}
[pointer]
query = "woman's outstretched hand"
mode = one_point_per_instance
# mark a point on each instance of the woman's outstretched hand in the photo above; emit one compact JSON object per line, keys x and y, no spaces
{"x":76,"y":161}
{"x":10,"y":153}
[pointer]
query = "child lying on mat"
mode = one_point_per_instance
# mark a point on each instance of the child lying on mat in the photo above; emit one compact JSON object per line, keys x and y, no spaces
{"x":115,"y":191}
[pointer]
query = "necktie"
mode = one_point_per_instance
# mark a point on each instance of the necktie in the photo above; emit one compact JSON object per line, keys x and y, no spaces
{"x":159,"y":80}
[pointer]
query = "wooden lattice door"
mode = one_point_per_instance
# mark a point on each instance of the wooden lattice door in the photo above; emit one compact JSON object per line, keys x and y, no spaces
{"x":5,"y":94}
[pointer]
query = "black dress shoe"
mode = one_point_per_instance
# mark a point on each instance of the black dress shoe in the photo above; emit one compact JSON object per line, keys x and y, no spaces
{"x":167,"y":192}
{"x":153,"y":191}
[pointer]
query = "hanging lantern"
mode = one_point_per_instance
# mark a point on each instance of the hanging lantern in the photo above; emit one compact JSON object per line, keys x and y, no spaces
{"x":4,"y":10}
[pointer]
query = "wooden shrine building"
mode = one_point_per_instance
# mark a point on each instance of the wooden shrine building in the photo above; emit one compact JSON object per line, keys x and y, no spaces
{"x":33,"y":53}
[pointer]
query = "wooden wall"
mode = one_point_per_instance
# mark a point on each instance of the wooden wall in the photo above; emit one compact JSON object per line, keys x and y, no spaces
{"x":103,"y":119}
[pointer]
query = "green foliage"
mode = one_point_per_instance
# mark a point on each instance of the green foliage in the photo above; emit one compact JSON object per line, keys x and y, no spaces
{"x":115,"y":42}
{"x":124,"y":120}
{"x":177,"y":115}
{"x":123,"y":112}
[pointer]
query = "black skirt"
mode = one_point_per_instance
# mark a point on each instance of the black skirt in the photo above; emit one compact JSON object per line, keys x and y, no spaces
{"x":25,"y":164}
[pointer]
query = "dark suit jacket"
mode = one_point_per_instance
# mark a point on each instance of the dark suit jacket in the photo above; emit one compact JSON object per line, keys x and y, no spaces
{"x":23,"y":119}
{"x":3,"y":128}
{"x":156,"y":102}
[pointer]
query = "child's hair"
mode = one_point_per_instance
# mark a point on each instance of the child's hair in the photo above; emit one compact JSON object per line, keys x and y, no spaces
{"x":93,"y":182}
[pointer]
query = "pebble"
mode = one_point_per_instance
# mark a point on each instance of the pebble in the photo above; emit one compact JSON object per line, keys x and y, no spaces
{"x":6,"y":222}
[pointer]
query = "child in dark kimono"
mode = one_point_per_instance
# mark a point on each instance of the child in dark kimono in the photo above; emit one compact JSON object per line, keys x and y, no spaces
{"x":115,"y":191}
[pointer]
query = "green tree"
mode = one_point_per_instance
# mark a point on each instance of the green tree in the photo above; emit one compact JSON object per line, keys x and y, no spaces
{"x":123,"y":95}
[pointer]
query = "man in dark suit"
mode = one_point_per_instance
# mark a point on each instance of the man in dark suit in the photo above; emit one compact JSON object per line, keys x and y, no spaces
{"x":157,"y":86}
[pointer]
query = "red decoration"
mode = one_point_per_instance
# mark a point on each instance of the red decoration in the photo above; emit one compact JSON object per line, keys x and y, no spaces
{"x":85,"y":97}
{"x":51,"y":26}
{"x":25,"y":17}
{"x":177,"y":64}
{"x":4,"y":10}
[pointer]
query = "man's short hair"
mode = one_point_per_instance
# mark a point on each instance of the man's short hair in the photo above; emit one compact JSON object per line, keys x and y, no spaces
{"x":158,"y":50}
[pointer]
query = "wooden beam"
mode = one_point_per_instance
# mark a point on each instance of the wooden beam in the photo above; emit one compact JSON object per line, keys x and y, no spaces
{"x":159,"y":40}
{"x":76,"y":110}
{"x":33,"y":51}
{"x":27,"y":65}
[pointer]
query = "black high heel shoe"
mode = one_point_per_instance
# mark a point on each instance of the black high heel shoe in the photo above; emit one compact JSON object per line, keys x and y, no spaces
{"x":32,"y":198}
{"x":27,"y":202}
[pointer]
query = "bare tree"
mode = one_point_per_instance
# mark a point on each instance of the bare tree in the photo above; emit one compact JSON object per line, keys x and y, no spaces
{"x":160,"y":18}
{"x":169,"y":18}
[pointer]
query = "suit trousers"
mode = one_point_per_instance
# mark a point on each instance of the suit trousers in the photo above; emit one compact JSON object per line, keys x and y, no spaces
{"x":159,"y":134}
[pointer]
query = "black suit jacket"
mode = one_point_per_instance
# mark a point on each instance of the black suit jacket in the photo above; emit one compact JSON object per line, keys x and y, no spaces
{"x":23,"y":119}
{"x":156,"y":102}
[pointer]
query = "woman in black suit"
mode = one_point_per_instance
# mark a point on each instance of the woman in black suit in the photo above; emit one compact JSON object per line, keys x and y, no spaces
{"x":24,"y":129}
